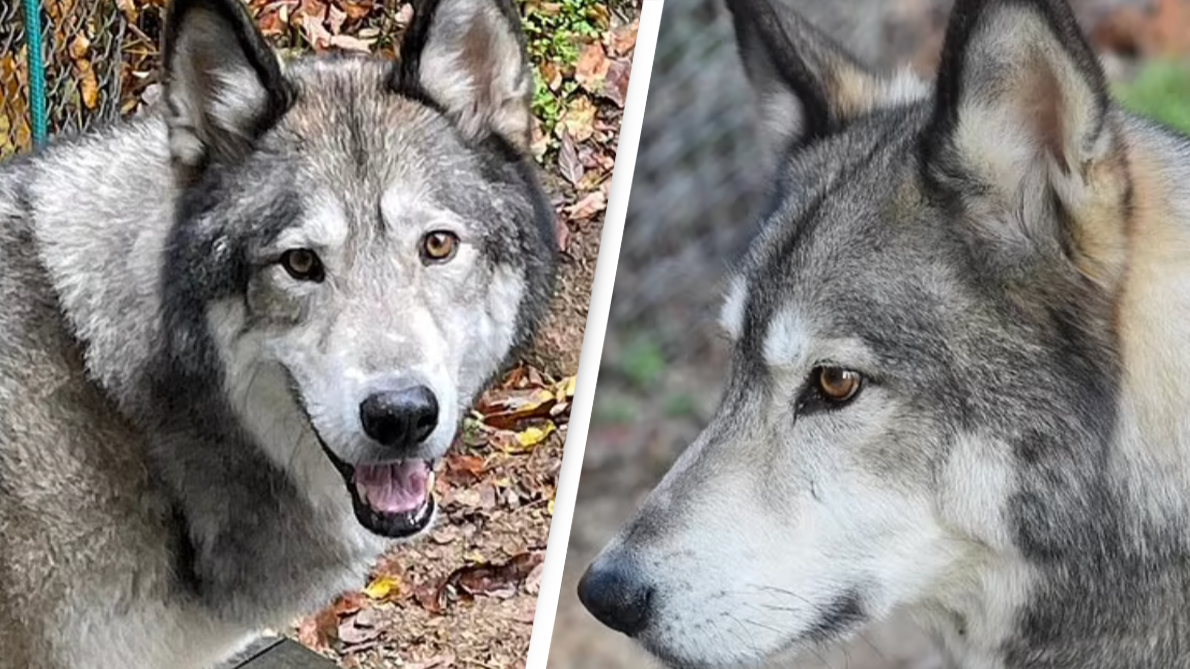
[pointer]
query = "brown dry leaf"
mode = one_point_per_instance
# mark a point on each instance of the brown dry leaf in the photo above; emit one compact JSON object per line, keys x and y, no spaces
{"x":317,"y":632}
{"x":615,"y":86}
{"x":348,"y":603}
{"x":505,"y":409}
{"x":464,"y":469}
{"x":495,"y":580}
{"x":357,"y":9}
{"x":543,"y":7}
{"x":353,"y":630}
{"x":578,"y":119}
{"x":568,"y":162}
{"x":624,"y":38}
{"x":591,"y":205}
{"x":79,"y":47}
{"x":88,"y":83}
{"x":431,"y":595}
{"x":592,"y":67}
{"x":128,"y":7}
{"x":551,"y":74}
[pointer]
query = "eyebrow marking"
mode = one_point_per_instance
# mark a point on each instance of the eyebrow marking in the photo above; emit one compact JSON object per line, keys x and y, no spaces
{"x":786,"y":340}
{"x":731,"y":315}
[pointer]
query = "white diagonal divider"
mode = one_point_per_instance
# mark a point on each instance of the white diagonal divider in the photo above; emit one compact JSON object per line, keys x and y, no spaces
{"x":601,"y":299}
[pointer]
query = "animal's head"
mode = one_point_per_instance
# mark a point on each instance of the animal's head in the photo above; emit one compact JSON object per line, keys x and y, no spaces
{"x":921,"y":331}
{"x":365,"y":238}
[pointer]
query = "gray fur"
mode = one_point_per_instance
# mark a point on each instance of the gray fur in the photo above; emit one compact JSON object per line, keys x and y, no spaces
{"x":162,"y":494}
{"x":1009,"y":471}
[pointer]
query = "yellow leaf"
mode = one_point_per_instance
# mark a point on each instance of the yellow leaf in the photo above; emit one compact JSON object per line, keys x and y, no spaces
{"x":534,"y":435}
{"x":383,"y":587}
{"x":570,"y":385}
{"x":550,"y":507}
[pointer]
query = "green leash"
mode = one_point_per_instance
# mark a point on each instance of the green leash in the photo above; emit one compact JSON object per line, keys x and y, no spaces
{"x":36,"y":71}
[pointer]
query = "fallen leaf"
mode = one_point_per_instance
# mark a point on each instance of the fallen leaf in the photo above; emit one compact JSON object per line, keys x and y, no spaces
{"x":353,"y":632}
{"x":591,"y":68}
{"x":358,"y":9}
{"x":316,"y":632}
{"x":462,"y":469}
{"x":504,"y":409}
{"x":565,"y":388}
{"x":431,"y":595}
{"x":496,"y":580}
{"x":615,"y":86}
{"x":578,"y":119}
{"x":383,"y":587}
{"x":568,"y":161}
{"x":348,"y":604}
{"x":532,"y":436}
{"x":88,"y":83}
{"x":591,"y":204}
{"x":80,"y":46}
{"x":624,"y":38}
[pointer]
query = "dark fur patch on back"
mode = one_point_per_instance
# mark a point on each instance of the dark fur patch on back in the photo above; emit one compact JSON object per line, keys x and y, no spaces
{"x":840,"y":616}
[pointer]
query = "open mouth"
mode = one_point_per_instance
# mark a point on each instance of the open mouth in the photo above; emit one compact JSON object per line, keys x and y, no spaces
{"x":392,"y":499}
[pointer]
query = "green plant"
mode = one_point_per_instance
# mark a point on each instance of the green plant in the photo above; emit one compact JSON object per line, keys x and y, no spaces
{"x":1161,"y":91}
{"x":556,"y":32}
{"x":642,"y":363}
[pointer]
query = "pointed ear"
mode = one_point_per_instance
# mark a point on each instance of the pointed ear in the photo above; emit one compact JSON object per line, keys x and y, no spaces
{"x":468,"y":57}
{"x":223,"y":84}
{"x":1022,"y":112}
{"x":808,"y":86}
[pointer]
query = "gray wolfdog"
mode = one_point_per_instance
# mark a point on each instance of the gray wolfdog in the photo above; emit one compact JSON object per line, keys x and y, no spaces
{"x":961,"y":370}
{"x":236,"y":333}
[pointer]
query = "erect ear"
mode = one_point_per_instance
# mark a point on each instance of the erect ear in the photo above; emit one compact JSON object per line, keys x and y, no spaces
{"x":1022,"y":112}
{"x":469,"y":57}
{"x":223,"y":84}
{"x":808,"y":85}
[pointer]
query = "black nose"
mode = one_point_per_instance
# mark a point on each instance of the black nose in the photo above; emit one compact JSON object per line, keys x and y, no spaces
{"x":400,"y":417}
{"x":613,"y":591}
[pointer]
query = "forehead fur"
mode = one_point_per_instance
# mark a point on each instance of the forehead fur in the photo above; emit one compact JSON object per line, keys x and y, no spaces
{"x":345,"y":123}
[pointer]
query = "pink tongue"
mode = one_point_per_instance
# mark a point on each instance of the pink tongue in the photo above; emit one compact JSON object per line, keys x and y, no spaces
{"x":394,"y":488}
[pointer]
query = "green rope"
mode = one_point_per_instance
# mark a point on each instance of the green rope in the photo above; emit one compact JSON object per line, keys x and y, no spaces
{"x":36,"y":71}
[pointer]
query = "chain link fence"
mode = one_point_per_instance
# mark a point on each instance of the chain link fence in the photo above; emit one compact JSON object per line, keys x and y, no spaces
{"x":81,"y":54}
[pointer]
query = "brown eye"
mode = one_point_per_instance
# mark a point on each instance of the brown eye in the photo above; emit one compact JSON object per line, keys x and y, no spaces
{"x":302,"y":264}
{"x":837,"y":384}
{"x":439,"y":246}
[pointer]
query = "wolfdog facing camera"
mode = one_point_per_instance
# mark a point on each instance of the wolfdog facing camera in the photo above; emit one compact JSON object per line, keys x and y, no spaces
{"x":236,"y":334}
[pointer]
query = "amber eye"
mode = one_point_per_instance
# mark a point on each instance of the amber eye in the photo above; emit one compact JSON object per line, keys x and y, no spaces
{"x":302,"y":264}
{"x":439,"y":246}
{"x":838,"y":384}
